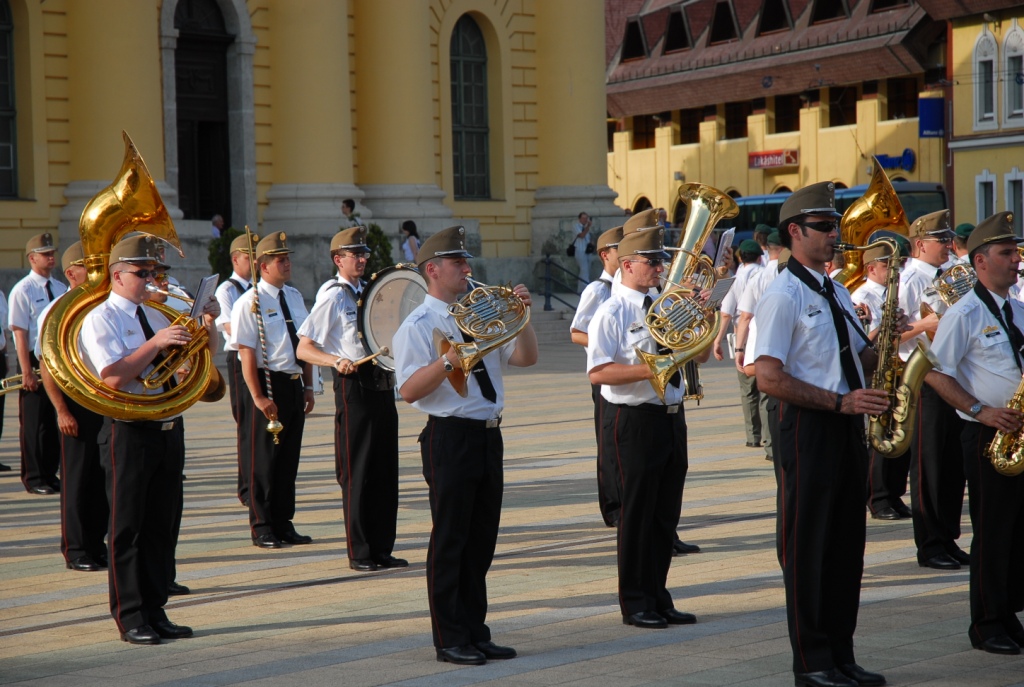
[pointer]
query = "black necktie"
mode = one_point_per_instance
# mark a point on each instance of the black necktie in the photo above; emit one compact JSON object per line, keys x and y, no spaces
{"x":292,"y":334}
{"x":663,"y":350}
{"x":938,"y":272}
{"x":1004,"y":316}
{"x":148,"y":332}
{"x":482,"y":377}
{"x":49,"y":291}
{"x":843,"y":333}
{"x":1016,"y":338}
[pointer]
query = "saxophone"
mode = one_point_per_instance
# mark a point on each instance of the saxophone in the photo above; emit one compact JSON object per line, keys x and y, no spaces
{"x":891,"y":431}
{"x":1006,"y":451}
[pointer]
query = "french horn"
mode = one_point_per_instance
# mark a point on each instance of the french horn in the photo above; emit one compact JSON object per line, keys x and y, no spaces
{"x":130,"y":203}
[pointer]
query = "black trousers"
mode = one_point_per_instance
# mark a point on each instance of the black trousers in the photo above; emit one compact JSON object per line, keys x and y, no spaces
{"x":462,"y":464}
{"x":40,"y":438}
{"x":275,"y":466}
{"x":936,"y":476}
{"x":237,"y":391}
{"x":84,"y":511}
{"x":143,"y":479}
{"x":608,"y":480}
{"x":821,"y":468}
{"x":3,"y":397}
{"x":997,"y":549}
{"x":366,"y":465}
{"x":887,"y":480}
{"x":649,"y":446}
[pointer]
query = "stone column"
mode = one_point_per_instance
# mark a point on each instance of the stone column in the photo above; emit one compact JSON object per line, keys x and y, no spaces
{"x":571,"y":128}
{"x":110,"y":90}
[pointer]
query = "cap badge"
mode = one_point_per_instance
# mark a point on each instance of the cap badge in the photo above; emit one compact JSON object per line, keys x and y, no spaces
{"x":281,"y":236}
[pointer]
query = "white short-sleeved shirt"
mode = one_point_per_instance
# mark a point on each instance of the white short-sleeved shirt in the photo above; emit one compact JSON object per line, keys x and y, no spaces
{"x":795,"y":326}
{"x":3,"y":320}
{"x":744,"y":274}
{"x":326,"y":288}
{"x":28,"y":298}
{"x":229,"y":291}
{"x":972,"y":347}
{"x":38,"y":350}
{"x":112,"y":331}
{"x":280,"y":353}
{"x":414,"y":349}
{"x":332,"y":325}
{"x":756,"y":287}
{"x":916,"y":287}
{"x":596,"y":293}
{"x":872,"y":295}
{"x":615,"y":333}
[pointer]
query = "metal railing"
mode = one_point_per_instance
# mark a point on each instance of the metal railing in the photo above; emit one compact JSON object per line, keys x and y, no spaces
{"x":550,"y":279}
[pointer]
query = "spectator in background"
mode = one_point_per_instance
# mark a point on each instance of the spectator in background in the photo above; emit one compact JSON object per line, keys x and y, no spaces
{"x":348,"y":211}
{"x":581,"y":227}
{"x":216,"y":226}
{"x":663,"y":218}
{"x":761,"y":232}
{"x":410,"y":243}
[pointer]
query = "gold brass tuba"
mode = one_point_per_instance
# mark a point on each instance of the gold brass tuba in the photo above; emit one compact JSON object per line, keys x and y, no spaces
{"x":678,"y":320}
{"x":130,"y":203}
{"x":492,"y":316}
{"x":878,"y":208}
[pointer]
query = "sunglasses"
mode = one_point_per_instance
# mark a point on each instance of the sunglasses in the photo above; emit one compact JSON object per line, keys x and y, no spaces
{"x":825,"y":226}
{"x":145,"y":274}
{"x":653,"y":262}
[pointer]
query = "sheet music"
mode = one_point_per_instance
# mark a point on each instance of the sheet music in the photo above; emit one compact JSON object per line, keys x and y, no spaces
{"x":722,"y":287}
{"x":724,"y":246}
{"x":204,"y":294}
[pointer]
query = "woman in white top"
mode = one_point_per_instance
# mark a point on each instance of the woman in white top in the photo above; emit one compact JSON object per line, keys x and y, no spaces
{"x":411,"y":243}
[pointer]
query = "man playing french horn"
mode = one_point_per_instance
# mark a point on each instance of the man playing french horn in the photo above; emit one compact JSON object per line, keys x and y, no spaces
{"x":979,"y":345}
{"x":121,"y":340}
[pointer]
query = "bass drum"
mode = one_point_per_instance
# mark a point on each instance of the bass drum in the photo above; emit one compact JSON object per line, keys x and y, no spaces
{"x":389,"y":297}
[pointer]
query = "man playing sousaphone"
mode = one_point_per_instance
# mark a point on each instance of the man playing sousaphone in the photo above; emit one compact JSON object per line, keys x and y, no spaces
{"x":121,"y":341}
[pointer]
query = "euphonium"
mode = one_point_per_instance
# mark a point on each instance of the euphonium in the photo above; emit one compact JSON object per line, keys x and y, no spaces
{"x":951,"y":285}
{"x":878,"y":208}
{"x":1006,"y":451}
{"x":492,"y":316}
{"x":130,"y":203}
{"x":890,"y":432}
{"x":678,"y":320}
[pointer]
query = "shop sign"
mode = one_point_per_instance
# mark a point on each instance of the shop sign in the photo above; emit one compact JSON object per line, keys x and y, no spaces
{"x":906,"y":161}
{"x":931,"y":117}
{"x":771,"y":159}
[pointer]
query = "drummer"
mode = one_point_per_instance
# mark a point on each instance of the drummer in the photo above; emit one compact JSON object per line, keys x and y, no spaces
{"x":365,"y":418}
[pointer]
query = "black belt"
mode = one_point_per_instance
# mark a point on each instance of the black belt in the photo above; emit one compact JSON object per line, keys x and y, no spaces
{"x":160,"y":426}
{"x":283,"y":375}
{"x":651,"y":408}
{"x":467,"y":422}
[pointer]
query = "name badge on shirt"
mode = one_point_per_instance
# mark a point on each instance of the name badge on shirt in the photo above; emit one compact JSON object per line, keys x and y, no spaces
{"x":271,"y":312}
{"x":40,"y":300}
{"x":990,"y":331}
{"x":635,"y":327}
{"x":930,"y":292}
{"x":129,"y":332}
{"x":813,"y":311}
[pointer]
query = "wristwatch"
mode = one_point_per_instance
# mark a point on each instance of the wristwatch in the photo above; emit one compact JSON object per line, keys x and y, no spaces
{"x":975,"y":409}
{"x":448,"y":367}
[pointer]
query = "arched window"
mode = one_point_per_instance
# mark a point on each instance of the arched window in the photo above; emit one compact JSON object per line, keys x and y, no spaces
{"x":1013,"y":80}
{"x":984,"y":81}
{"x":471,"y":164}
{"x":8,"y":134}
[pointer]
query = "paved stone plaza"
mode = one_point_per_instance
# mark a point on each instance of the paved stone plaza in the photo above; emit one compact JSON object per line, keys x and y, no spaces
{"x":298,"y":616}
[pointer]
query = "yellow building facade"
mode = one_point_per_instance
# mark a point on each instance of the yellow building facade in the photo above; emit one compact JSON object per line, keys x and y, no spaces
{"x":271,"y":112}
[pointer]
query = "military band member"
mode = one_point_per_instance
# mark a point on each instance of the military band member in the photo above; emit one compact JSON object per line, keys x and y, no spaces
{"x":274,"y":467}
{"x":646,"y":437}
{"x":229,"y":291}
{"x":40,"y":442}
{"x":83,"y":498}
{"x":365,"y":418}
{"x":596,"y":293}
{"x":809,"y":355}
{"x":3,"y":367}
{"x":936,"y":459}
{"x":979,"y":345}
{"x":887,"y":477}
{"x":121,"y":340}
{"x":961,"y":234}
{"x":461,"y":447}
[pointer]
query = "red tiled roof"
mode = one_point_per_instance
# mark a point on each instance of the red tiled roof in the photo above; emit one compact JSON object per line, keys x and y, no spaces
{"x":615,"y":15}
{"x":954,"y":9}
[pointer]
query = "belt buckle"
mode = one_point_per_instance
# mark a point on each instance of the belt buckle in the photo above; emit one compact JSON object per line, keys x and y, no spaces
{"x":493,"y":422}
{"x":295,"y":376}
{"x":672,"y":410}
{"x":164,"y":426}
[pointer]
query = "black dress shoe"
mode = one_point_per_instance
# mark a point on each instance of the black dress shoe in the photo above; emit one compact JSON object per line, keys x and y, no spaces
{"x":939,"y":561}
{"x":679,"y":546}
{"x":1018,"y":638}
{"x":960,"y":556}
{"x":461,"y":655}
{"x":143,"y":634}
{"x":5,"y":468}
{"x":175,"y":589}
{"x":101,"y":560}
{"x":365,"y":565}
{"x":294,"y":537}
{"x":168,"y":630}
{"x":861,"y":676}
{"x":887,"y":513}
{"x":903,"y":510}
{"x":42,"y":490}
{"x":645,"y":619}
{"x":674,"y":617}
{"x":493,"y":652}
{"x":391,"y":562}
{"x":823,"y":678}
{"x":266,"y":541}
{"x":83,"y":564}
{"x":1000,"y":644}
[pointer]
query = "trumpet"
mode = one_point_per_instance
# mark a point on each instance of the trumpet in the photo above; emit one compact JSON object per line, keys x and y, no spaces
{"x":12,"y":383}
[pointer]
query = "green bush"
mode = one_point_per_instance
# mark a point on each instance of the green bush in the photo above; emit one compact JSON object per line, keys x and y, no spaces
{"x":380,"y":250}
{"x":220,"y":252}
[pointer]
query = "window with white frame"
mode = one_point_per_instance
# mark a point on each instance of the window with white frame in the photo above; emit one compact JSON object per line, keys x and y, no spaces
{"x":985,"y":52}
{"x":985,"y":194}
{"x":1013,"y":79}
{"x":1015,"y":198}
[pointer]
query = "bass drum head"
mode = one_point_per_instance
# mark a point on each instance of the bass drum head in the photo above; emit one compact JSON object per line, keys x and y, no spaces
{"x":391,"y":295}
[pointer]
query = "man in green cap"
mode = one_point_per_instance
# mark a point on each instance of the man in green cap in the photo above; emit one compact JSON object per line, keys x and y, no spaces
{"x":962,"y":233}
